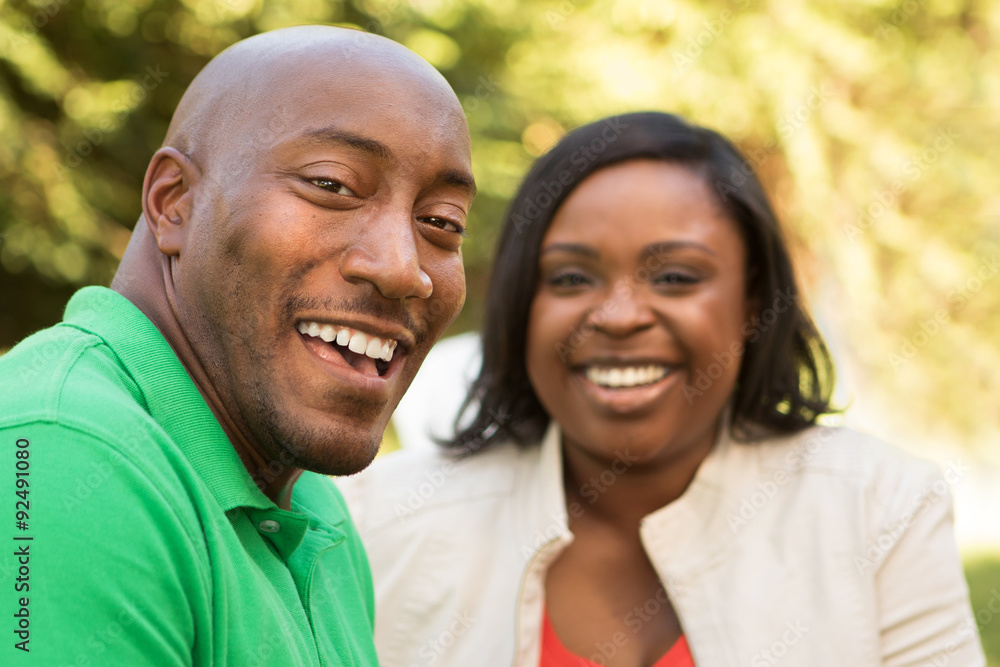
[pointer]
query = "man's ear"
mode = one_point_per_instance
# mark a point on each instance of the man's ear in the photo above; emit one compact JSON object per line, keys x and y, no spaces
{"x":167,"y":198}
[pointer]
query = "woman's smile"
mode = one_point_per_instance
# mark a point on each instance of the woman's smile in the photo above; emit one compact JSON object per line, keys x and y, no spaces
{"x":629,"y":391}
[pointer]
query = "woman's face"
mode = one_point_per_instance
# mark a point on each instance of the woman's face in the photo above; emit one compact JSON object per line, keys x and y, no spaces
{"x":634,"y":335}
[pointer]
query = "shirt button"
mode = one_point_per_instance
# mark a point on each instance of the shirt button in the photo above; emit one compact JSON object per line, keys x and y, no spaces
{"x":269,"y":526}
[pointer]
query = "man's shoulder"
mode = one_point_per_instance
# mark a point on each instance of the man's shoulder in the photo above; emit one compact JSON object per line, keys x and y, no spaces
{"x":64,"y":372}
{"x":92,"y":455}
{"x":66,"y":386}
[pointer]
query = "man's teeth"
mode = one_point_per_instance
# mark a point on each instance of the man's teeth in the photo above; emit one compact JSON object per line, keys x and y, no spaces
{"x":630,"y":376}
{"x":355,"y":341}
{"x":358,"y":343}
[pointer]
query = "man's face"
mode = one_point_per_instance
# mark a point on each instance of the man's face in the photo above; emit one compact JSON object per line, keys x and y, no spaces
{"x":327,"y":261}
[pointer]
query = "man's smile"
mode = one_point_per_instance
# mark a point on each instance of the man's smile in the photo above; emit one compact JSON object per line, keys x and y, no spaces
{"x":363,"y":351}
{"x":353,"y":339}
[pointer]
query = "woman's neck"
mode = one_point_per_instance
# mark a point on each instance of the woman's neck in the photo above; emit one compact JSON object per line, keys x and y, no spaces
{"x":625,"y":488}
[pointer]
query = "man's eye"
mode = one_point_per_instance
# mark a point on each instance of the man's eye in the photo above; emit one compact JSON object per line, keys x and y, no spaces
{"x":445,"y":224}
{"x":336,"y":187}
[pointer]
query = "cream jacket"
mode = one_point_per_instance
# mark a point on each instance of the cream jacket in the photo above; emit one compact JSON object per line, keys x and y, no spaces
{"x":825,"y":548}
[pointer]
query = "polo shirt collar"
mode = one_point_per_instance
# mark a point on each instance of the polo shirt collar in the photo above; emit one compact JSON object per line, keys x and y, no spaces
{"x":170,"y":395}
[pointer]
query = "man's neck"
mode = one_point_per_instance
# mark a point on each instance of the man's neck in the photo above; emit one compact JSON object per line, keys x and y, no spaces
{"x":144,"y":278}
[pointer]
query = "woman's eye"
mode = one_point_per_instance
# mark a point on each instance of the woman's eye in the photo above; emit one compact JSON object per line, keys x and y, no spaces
{"x":336,"y":187}
{"x":445,"y":224}
{"x":568,"y":280}
{"x":676,"y":279}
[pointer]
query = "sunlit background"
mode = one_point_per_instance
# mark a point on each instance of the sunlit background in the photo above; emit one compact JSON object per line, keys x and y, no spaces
{"x":874,"y":124}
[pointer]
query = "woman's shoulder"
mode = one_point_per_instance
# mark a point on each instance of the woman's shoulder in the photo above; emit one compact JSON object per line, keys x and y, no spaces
{"x":884,"y":471}
{"x":838,"y":449}
{"x":411,"y":483}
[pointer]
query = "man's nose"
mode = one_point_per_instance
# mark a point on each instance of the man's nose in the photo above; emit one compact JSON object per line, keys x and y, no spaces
{"x":386,"y":255}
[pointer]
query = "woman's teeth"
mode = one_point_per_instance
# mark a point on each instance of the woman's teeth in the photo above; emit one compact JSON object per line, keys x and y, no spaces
{"x":629,"y":376}
{"x":355,"y":341}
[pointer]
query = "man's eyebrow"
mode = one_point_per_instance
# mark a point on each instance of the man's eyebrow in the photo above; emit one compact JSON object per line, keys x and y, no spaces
{"x":337,"y":136}
{"x":379,"y":150}
{"x":460,"y":179}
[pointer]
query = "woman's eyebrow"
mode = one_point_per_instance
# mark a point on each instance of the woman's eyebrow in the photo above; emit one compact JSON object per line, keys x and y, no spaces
{"x":574,"y":248}
{"x":667,"y":247}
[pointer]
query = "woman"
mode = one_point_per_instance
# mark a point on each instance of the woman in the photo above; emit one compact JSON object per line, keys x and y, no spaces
{"x":643,"y":481}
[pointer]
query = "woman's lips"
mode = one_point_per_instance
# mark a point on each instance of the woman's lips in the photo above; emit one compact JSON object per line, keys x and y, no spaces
{"x":638,"y":386}
{"x":626,"y":376}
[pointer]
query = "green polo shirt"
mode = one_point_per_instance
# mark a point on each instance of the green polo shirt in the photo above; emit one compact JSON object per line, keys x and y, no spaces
{"x":141,"y":538}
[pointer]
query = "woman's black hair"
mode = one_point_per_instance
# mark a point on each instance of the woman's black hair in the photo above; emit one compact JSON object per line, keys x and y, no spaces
{"x":786,"y":377}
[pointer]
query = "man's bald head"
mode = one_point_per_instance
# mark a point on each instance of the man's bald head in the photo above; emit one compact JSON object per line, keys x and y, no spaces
{"x":241,"y":100}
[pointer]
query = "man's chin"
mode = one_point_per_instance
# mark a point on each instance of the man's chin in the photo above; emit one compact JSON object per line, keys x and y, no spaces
{"x":337,"y":443}
{"x":343,"y":466}
{"x":340,"y":455}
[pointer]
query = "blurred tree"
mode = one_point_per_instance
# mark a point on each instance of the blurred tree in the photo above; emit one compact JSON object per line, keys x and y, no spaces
{"x":872,"y":122}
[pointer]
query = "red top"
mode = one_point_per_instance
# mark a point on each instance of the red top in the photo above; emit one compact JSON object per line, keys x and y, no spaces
{"x":554,"y":654}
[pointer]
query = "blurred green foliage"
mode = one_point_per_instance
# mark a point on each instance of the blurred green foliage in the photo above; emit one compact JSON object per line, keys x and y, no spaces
{"x":874,"y":124}
{"x":983,"y":574}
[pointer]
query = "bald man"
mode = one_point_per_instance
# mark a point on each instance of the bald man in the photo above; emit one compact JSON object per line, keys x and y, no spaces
{"x":165,"y":446}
